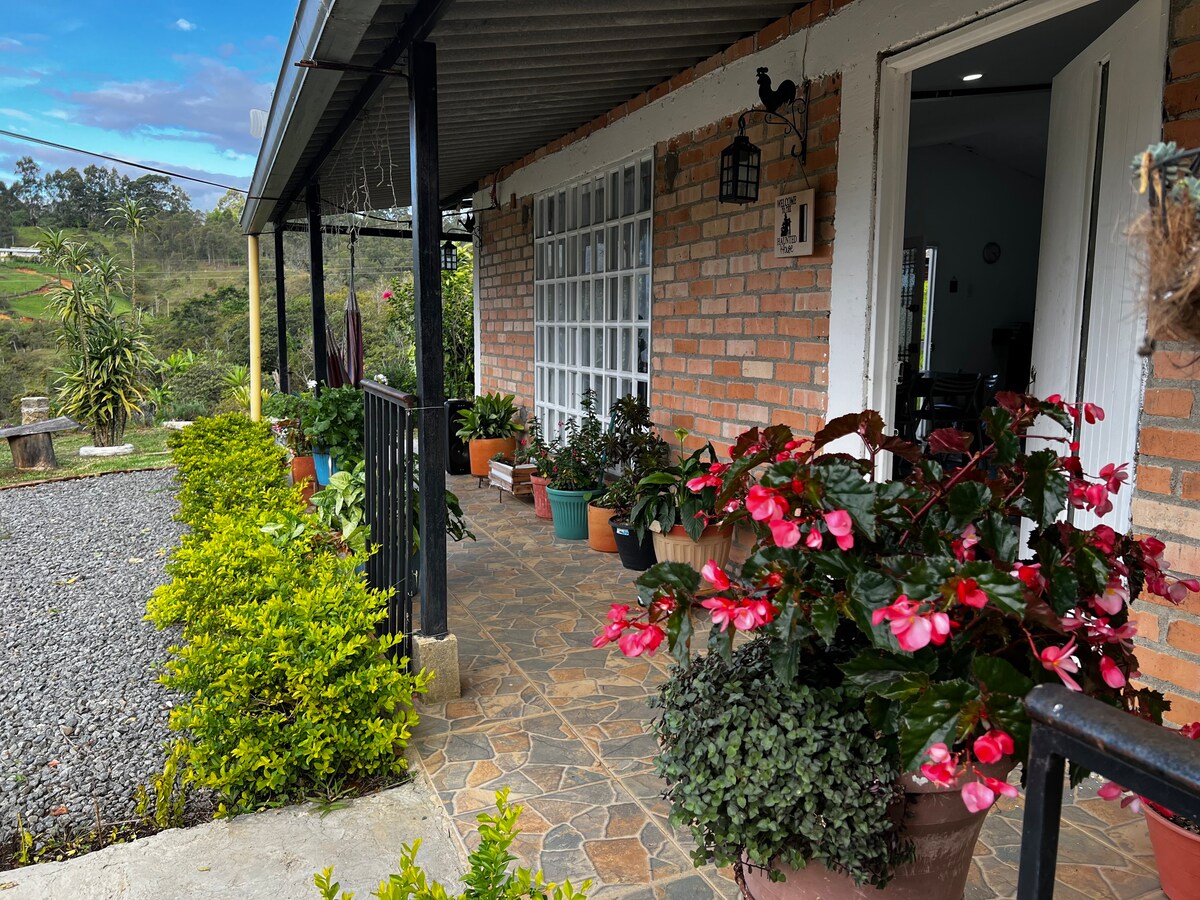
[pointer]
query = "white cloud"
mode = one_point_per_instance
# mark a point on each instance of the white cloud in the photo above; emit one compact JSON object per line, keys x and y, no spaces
{"x":185,"y":25}
{"x":58,"y":114}
{"x":15,"y":114}
{"x":9,"y":43}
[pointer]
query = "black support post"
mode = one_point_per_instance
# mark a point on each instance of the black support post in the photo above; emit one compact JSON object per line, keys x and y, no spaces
{"x":427,"y":281}
{"x":285,"y":383}
{"x":316,"y":269}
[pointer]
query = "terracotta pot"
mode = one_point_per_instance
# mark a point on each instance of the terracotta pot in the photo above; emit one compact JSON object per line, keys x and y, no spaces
{"x":482,"y":452}
{"x":541,"y":502}
{"x":676,"y":546}
{"x":303,"y":468}
{"x":600,"y":536}
{"x":943,"y":833}
{"x":1177,"y":852}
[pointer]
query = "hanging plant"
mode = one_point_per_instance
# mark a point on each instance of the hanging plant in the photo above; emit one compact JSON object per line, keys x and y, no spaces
{"x":1170,"y":232}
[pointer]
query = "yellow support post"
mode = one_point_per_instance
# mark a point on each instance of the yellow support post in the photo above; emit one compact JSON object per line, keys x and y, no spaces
{"x":255,"y":331}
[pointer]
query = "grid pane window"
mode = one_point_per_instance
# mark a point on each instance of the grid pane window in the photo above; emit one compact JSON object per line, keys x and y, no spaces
{"x":592,"y":285}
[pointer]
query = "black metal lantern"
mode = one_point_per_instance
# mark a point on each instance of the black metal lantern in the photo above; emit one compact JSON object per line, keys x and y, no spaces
{"x":449,"y":256}
{"x":740,"y":163}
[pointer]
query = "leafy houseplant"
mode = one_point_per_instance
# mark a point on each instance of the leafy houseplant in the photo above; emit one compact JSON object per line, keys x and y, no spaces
{"x":491,"y":427}
{"x":333,"y":422}
{"x":633,"y":449}
{"x":341,"y":507}
{"x":578,"y":472}
{"x":534,"y":449}
{"x":921,"y":584}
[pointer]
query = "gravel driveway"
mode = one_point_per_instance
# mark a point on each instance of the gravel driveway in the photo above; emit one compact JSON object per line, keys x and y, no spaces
{"x":82,"y":718}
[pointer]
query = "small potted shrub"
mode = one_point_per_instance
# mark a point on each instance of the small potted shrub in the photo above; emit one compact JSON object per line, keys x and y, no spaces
{"x":287,"y":411}
{"x":490,"y":426}
{"x":1175,"y":838}
{"x":633,"y":449}
{"x":537,"y":452}
{"x":333,"y":424}
{"x":508,"y":473}
{"x":578,"y":473}
{"x":678,"y":506}
{"x":913,"y":598}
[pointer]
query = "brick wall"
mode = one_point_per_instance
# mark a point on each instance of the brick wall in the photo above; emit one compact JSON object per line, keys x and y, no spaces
{"x":740,"y":337}
{"x":1167,"y":503}
{"x":506,"y":300}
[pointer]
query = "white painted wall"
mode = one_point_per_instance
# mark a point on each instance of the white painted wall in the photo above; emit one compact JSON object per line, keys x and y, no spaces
{"x":852,"y":43}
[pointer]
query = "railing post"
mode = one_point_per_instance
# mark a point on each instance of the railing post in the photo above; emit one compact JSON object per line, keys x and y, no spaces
{"x":1043,"y":807}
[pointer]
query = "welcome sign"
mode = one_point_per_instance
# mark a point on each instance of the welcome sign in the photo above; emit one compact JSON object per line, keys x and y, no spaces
{"x":794,"y":224}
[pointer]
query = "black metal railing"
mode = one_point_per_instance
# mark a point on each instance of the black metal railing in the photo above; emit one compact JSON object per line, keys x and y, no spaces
{"x":1142,"y":757}
{"x":389,"y":429}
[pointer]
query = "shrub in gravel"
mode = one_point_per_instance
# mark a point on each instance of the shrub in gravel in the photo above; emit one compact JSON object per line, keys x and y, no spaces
{"x":226,"y":464}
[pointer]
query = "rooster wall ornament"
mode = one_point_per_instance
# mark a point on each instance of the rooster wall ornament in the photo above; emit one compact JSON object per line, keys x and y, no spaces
{"x":741,"y":160}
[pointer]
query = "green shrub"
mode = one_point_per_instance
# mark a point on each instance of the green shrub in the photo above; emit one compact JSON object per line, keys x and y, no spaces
{"x":185,"y":410}
{"x":201,"y":383}
{"x":284,"y":406}
{"x":487,"y":878}
{"x":776,"y":769}
{"x":333,"y":422}
{"x":292,"y":695}
{"x":226,"y":464}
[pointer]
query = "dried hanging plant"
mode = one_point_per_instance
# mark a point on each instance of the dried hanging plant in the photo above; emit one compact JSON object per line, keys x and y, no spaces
{"x":1170,"y":231}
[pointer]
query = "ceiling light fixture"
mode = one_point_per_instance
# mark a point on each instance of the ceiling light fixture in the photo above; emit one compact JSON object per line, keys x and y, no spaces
{"x":974,"y":76}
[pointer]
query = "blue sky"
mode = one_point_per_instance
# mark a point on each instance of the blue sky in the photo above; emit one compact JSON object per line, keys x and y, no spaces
{"x":168,"y":84}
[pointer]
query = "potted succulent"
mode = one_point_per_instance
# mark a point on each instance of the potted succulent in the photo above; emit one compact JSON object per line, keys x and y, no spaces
{"x":534,"y":450}
{"x":333,"y":424}
{"x":679,"y":506}
{"x":491,"y":427}
{"x":912,"y":600}
{"x":633,"y":449}
{"x":1175,"y":838}
{"x":578,"y":472}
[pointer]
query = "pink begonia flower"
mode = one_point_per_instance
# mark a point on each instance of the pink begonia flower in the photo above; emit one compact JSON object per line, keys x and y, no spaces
{"x":1114,"y":476}
{"x":993,"y":746}
{"x":912,"y":631}
{"x":700,"y":482}
{"x":715,"y":575}
{"x":1092,"y":413}
{"x":1178,"y":591}
{"x":977,"y":796}
{"x":942,"y":768}
{"x":1113,"y":600}
{"x":1097,"y":499}
{"x":841,"y":527}
{"x":763,"y":611}
{"x":387,"y":295}
{"x":940,"y":625}
{"x":970,"y":594}
{"x":642,"y":640}
{"x":1111,"y":673}
{"x":722,"y":609}
{"x":1058,"y":660}
{"x":814,"y":541}
{"x":964,"y":545}
{"x":1104,"y":537}
{"x":765,"y":504}
{"x":1002,"y":787}
{"x":785,"y":533}
{"x":617,"y":612}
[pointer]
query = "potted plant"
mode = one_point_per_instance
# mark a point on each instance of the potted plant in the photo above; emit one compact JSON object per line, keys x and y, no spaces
{"x":537,"y":452}
{"x":508,"y":474}
{"x":633,"y":449}
{"x":490,"y":427}
{"x":911,"y":598}
{"x":333,"y":424}
{"x":686,"y":523}
{"x":1175,"y":838}
{"x":577,"y":474}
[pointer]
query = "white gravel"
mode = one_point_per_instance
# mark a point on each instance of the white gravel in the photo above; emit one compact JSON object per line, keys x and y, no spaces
{"x":83,"y":719}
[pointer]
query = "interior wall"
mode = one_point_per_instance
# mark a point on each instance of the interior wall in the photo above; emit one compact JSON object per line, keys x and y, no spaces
{"x":959,"y":201}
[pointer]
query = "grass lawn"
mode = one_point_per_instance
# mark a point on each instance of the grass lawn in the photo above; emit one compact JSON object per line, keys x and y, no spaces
{"x":150,"y":450}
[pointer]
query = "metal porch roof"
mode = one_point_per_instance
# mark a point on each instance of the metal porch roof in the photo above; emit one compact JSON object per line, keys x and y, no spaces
{"x":513,"y":76}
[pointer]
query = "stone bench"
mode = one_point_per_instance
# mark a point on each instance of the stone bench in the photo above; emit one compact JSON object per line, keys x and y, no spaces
{"x":32,"y":445}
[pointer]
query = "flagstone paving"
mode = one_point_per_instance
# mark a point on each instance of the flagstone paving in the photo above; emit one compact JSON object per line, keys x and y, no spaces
{"x":564,"y":727}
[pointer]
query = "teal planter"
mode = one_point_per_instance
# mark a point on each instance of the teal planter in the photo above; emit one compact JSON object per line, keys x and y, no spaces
{"x":569,"y":511}
{"x":322,"y":464}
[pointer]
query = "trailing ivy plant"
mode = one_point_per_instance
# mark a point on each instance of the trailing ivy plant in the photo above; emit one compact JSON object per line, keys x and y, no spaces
{"x":762,"y":770}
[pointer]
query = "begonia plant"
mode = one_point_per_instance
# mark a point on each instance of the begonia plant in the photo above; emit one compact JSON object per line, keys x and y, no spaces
{"x":942,"y":619}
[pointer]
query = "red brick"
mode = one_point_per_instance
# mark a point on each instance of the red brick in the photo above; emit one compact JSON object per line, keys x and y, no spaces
{"x":1181,"y":97}
{"x":1171,"y":669}
{"x":1155,"y":479}
{"x":1170,"y":443}
{"x":1185,"y":636}
{"x":1191,"y":485}
{"x":774,"y":33}
{"x":1184,"y":60}
{"x":1184,"y":710}
{"x":1177,"y":365}
{"x":1173,"y":402}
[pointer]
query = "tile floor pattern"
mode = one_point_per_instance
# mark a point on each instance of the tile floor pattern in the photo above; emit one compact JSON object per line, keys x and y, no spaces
{"x":564,"y":727}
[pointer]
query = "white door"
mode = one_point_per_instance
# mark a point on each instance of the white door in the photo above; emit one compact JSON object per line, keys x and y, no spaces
{"x":1105,"y":108}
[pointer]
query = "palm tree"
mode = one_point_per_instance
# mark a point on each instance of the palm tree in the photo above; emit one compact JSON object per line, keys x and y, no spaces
{"x":130,"y":214}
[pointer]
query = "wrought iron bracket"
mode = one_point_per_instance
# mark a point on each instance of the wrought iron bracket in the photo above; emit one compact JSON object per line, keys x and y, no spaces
{"x":786,"y":116}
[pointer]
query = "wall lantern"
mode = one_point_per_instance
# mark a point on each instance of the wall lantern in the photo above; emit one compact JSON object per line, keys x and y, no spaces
{"x":449,"y":257}
{"x":741,"y":160}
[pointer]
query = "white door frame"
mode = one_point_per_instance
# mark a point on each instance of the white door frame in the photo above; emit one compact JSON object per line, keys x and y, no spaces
{"x":895,"y":88}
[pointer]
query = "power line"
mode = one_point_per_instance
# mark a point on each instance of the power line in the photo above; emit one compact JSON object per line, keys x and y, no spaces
{"x":125,"y":162}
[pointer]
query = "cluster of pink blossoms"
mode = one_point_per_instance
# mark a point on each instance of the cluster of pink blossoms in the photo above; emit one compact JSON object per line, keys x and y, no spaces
{"x":745,"y":614}
{"x":771,"y":506}
{"x":633,"y":636}
{"x":943,"y":769}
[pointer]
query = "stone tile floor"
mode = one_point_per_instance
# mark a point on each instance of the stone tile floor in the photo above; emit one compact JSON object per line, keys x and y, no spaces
{"x":564,"y":727}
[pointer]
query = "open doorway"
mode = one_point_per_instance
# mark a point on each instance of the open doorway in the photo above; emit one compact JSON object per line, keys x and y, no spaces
{"x":1012,"y":271}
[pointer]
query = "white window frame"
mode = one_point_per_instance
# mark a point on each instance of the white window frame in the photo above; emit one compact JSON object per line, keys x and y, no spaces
{"x":568,"y":271}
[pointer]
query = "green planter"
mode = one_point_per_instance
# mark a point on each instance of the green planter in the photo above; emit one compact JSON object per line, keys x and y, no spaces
{"x":569,"y":511}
